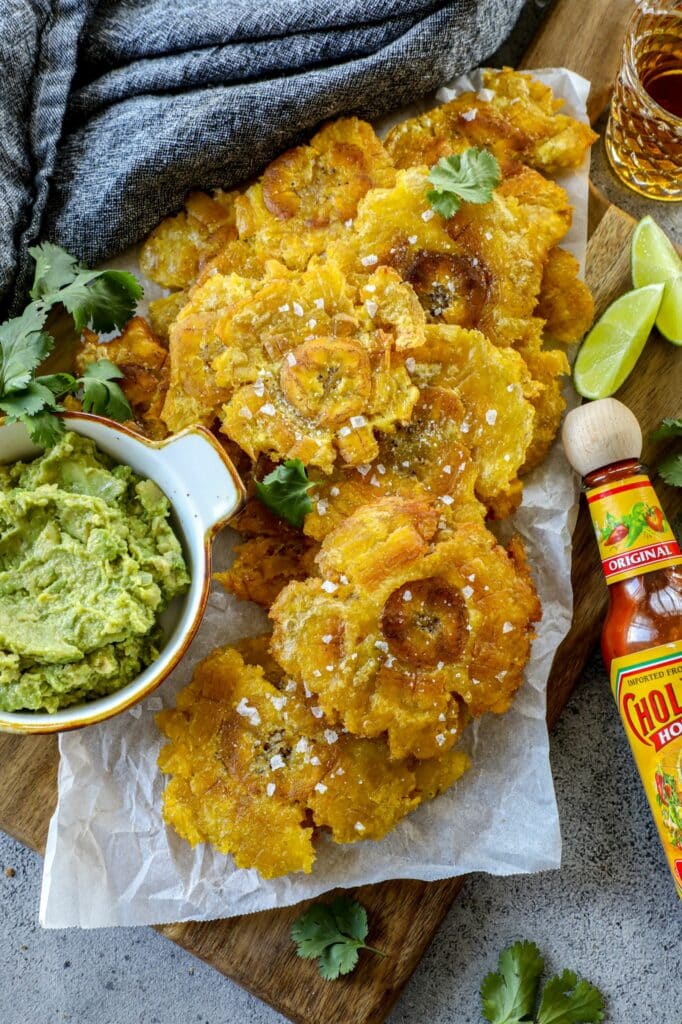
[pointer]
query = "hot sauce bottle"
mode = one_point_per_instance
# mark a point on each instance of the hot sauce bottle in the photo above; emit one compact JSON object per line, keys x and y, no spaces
{"x":642,"y":633}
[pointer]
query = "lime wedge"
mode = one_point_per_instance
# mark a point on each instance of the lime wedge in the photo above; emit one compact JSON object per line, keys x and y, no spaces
{"x":613,"y":346}
{"x":653,"y":260}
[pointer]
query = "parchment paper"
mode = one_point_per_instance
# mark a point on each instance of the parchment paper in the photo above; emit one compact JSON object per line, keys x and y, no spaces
{"x":110,"y":860}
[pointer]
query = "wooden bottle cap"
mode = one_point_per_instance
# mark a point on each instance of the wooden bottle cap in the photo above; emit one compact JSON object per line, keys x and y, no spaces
{"x":599,"y":433}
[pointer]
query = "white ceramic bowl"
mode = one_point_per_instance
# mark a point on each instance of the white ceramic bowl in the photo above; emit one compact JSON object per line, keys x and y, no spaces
{"x":204,"y":490}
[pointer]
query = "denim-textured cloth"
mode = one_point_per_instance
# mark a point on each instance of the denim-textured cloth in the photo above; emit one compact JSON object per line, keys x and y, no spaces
{"x":111,"y":111}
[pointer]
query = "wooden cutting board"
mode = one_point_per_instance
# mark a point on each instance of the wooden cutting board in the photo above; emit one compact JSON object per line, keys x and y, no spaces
{"x":256,"y":951}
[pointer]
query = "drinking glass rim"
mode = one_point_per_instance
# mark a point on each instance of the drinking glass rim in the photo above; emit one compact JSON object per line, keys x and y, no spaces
{"x":643,"y":94}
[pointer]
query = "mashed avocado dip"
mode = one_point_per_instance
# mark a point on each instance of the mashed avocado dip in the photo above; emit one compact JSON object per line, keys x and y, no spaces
{"x":88,"y":561}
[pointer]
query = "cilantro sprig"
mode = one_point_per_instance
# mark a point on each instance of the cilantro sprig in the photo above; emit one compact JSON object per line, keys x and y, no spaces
{"x":101,"y":299}
{"x":510,"y":994}
{"x":285,"y":491}
{"x":333,"y":933}
{"x":467,"y":177}
{"x":670,"y":468}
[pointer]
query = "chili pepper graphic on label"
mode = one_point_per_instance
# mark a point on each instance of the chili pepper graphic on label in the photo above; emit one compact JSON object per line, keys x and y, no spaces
{"x":655,"y":519}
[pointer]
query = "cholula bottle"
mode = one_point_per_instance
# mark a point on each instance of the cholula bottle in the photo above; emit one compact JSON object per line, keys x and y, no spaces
{"x":642,"y":634}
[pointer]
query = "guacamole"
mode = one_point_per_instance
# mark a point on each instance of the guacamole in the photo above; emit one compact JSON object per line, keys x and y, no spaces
{"x":88,"y":561}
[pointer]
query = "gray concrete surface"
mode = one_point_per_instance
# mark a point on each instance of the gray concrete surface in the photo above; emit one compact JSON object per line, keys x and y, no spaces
{"x":610,"y":913}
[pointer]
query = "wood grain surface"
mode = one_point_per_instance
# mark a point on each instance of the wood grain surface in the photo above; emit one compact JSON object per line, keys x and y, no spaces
{"x":256,"y":951}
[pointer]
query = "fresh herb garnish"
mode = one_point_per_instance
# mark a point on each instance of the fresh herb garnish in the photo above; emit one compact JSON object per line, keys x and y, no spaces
{"x":510,"y":994}
{"x":670,"y":468}
{"x":467,"y":177}
{"x":285,"y":491}
{"x":101,"y":299}
{"x":333,"y":933}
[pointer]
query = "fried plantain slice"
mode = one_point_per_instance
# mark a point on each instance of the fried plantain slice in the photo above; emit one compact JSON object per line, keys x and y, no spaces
{"x":144,"y":363}
{"x":496,"y":391}
{"x":264,"y":565}
{"x":314,"y":370}
{"x":565,"y":302}
{"x":406,"y":633}
{"x":195,"y":339}
{"x":178,"y":247}
{"x":425,"y":458}
{"x":163,"y":311}
{"x":250,"y":756}
{"x":514,"y":116}
{"x":307,"y":195}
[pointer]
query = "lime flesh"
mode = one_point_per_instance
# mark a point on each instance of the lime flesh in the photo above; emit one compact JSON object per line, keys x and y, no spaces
{"x":654,"y":260}
{"x":613,"y":346}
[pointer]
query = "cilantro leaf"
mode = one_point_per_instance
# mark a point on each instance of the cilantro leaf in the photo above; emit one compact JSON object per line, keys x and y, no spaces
{"x":43,"y":428}
{"x":101,"y":393}
{"x":668,"y":428}
{"x":341,"y":958}
{"x":445,"y":203}
{"x":55,"y":268}
{"x":285,"y":491}
{"x":23,"y":345}
{"x":670,"y":469}
{"x":467,"y":177}
{"x":59,"y":383}
{"x":101,"y":299}
{"x":27,"y":402}
{"x":567,"y":1000}
{"x":334,"y":933}
{"x":508,"y":994}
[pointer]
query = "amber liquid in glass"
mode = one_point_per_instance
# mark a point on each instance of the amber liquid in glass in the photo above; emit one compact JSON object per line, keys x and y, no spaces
{"x":644,"y":133}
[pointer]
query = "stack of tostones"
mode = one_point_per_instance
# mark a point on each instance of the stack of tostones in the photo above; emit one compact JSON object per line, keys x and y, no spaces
{"x":252,"y":759}
{"x":327,"y":313}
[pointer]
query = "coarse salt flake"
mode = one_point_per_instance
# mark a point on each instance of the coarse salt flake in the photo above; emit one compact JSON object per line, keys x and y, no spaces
{"x":507,"y":627}
{"x":447,"y":499}
{"x":334,"y":491}
{"x":291,"y":359}
{"x":322,"y":507}
{"x":329,"y":587}
{"x":320,"y":787}
{"x":268,"y":409}
{"x":270,"y":788}
{"x":440,"y":738}
{"x":297,"y":308}
{"x":468,"y":592}
{"x":246,"y":711}
{"x":319,"y":303}
{"x":491,"y":416}
{"x":371,"y":307}
{"x":427,"y":215}
{"x":284,"y":308}
{"x":410,"y":364}
{"x":331,"y":736}
{"x":357,"y":421}
{"x":246,"y":412}
{"x":407,"y":595}
{"x":315,"y":760}
{"x":469,"y":115}
{"x":369,"y":261}
{"x":317,"y":712}
{"x":359,"y":827}
{"x":412,"y":239}
{"x":276,"y":762}
{"x":327,"y":638}
{"x":485,"y":95}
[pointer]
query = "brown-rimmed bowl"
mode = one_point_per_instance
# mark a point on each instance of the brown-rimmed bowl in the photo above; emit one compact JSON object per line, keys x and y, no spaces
{"x":204,"y":490}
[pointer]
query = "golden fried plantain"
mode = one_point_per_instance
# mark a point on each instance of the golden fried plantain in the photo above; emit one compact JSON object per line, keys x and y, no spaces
{"x":565,"y":302}
{"x":178,"y":247}
{"x":144,"y":364}
{"x":251,"y":757}
{"x":311,"y":370}
{"x":514,"y":116}
{"x":195,"y":340}
{"x":163,"y":311}
{"x":496,"y":391}
{"x":406,"y":633}
{"x":264,"y":565}
{"x":306,"y":195}
{"x":425,"y":458}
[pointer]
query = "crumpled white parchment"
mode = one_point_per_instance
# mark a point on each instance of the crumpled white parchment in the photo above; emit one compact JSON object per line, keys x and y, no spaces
{"x":110,"y":860}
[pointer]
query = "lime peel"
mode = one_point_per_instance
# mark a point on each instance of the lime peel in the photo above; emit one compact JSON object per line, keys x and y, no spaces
{"x":654,"y":260}
{"x":612,"y":347}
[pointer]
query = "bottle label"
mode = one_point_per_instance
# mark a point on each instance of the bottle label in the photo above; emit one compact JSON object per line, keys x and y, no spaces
{"x":632,"y":531}
{"x":647,"y":687}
